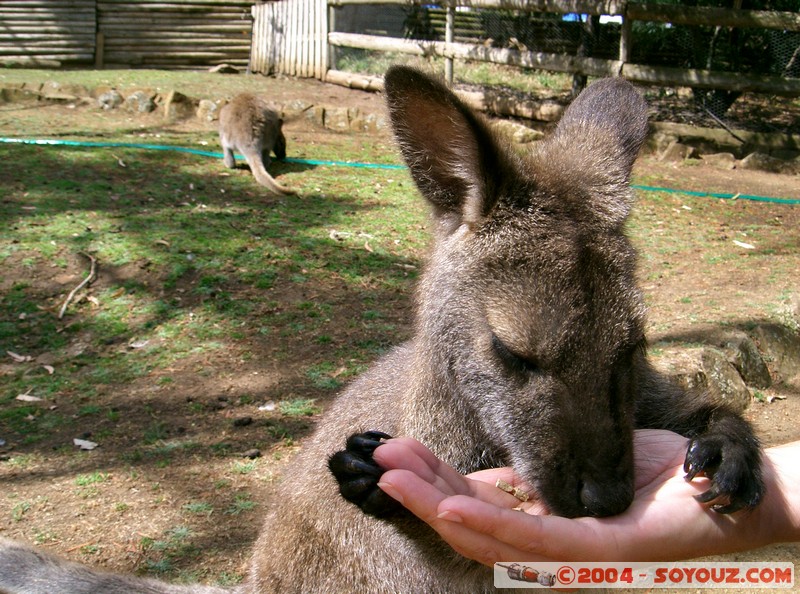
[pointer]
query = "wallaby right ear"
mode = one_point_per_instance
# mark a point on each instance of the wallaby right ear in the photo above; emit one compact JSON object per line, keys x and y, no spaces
{"x":609,"y":108}
{"x":453,"y":156}
{"x":595,"y":145}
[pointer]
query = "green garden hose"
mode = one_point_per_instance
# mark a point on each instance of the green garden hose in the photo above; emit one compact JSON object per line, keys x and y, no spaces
{"x":180,"y":149}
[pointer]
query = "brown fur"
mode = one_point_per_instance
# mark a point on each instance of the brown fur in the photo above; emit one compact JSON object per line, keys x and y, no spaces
{"x":528,"y":351}
{"x":247,"y":125}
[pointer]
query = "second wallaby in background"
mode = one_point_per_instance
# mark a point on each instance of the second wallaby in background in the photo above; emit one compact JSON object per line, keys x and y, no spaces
{"x":528,"y":351}
{"x":250,"y":127}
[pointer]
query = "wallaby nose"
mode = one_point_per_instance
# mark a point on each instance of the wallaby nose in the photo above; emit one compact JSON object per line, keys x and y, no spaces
{"x":606,"y":499}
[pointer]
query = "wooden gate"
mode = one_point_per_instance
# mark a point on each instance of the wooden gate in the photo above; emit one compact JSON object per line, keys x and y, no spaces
{"x":290,"y":37}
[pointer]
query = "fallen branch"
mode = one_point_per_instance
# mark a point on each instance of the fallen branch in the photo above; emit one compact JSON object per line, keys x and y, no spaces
{"x":80,"y":546}
{"x":84,"y":282}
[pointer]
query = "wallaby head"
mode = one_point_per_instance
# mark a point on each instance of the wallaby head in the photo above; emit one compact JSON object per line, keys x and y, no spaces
{"x":529,"y":308}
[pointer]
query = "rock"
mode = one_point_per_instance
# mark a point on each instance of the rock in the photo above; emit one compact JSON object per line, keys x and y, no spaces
{"x":295,"y":109}
{"x":659,"y":141}
{"x":252,"y":454}
{"x":725,"y":379}
{"x":316,"y":115}
{"x":140,"y":102}
{"x":242,"y":421}
{"x":676,"y":152}
{"x":720,"y":160}
{"x":744,"y":355}
{"x":375,"y":122}
{"x":17,"y":94}
{"x":762,"y":162}
{"x":55,"y":91}
{"x":705,"y":369}
{"x":178,"y":106}
{"x":208,"y":111}
{"x":337,"y":118}
{"x":781,"y":348}
{"x":110,"y":99}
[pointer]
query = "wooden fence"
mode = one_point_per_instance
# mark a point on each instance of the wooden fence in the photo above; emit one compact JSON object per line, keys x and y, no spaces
{"x":589,"y":66}
{"x":47,"y":33}
{"x":298,"y":37}
{"x":167,"y":34}
{"x":277,"y":58}
{"x":290,"y":37}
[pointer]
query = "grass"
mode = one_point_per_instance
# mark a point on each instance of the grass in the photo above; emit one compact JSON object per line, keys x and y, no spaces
{"x":65,"y":203}
{"x":176,"y":543}
{"x":241,"y":503}
{"x":19,"y":510}
{"x":84,"y":480}
{"x":486,"y":74}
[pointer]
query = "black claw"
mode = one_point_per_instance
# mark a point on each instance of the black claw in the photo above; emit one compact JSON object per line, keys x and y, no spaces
{"x":730,"y":508}
{"x":358,"y":466}
{"x":358,"y":474}
{"x":708,"y":496}
{"x":732,"y":464}
{"x":366,"y":443}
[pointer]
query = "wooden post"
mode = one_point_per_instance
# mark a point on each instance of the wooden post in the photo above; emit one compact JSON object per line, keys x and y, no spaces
{"x":331,"y":28}
{"x":450,"y":25}
{"x":625,"y":39}
{"x":99,"y":48}
{"x":589,"y":33}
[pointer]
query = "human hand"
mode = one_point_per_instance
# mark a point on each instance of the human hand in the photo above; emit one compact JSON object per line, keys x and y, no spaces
{"x":477,"y":519}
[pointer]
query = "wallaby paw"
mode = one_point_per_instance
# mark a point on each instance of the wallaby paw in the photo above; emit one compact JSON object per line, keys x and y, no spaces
{"x":358,"y":474}
{"x":734,"y":468}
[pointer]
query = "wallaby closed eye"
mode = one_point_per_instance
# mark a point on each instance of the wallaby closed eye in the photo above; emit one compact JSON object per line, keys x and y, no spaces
{"x":513,"y":360}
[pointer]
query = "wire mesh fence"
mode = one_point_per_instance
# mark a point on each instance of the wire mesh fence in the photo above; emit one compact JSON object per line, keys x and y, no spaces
{"x":747,"y":51}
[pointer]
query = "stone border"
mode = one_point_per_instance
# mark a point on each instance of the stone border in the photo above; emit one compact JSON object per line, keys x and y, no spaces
{"x":670,"y":142}
{"x":176,"y":106}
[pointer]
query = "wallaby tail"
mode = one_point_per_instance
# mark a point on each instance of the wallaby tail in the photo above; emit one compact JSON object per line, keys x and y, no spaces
{"x":264,"y":178}
{"x":24,"y":570}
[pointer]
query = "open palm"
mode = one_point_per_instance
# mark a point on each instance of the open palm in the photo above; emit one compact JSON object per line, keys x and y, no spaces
{"x":480,"y":521}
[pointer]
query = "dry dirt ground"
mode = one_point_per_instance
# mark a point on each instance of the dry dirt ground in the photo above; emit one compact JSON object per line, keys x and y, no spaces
{"x":136,"y":512}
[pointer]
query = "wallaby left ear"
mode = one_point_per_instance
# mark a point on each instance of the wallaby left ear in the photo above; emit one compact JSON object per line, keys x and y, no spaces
{"x":455,"y":160}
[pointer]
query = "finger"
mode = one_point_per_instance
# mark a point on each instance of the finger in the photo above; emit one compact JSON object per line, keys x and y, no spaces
{"x":420,"y":497}
{"x":511,"y":532}
{"x":424,"y":500}
{"x":408,"y":454}
{"x":524,"y":497}
{"x":468,"y":525}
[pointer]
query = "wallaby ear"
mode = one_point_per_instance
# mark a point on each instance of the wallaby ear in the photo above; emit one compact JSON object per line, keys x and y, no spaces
{"x":596,"y":143}
{"x":454,"y":159}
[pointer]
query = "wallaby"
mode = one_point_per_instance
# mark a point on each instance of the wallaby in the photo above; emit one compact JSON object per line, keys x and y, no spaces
{"x":528,"y":351}
{"x":248,"y":125}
